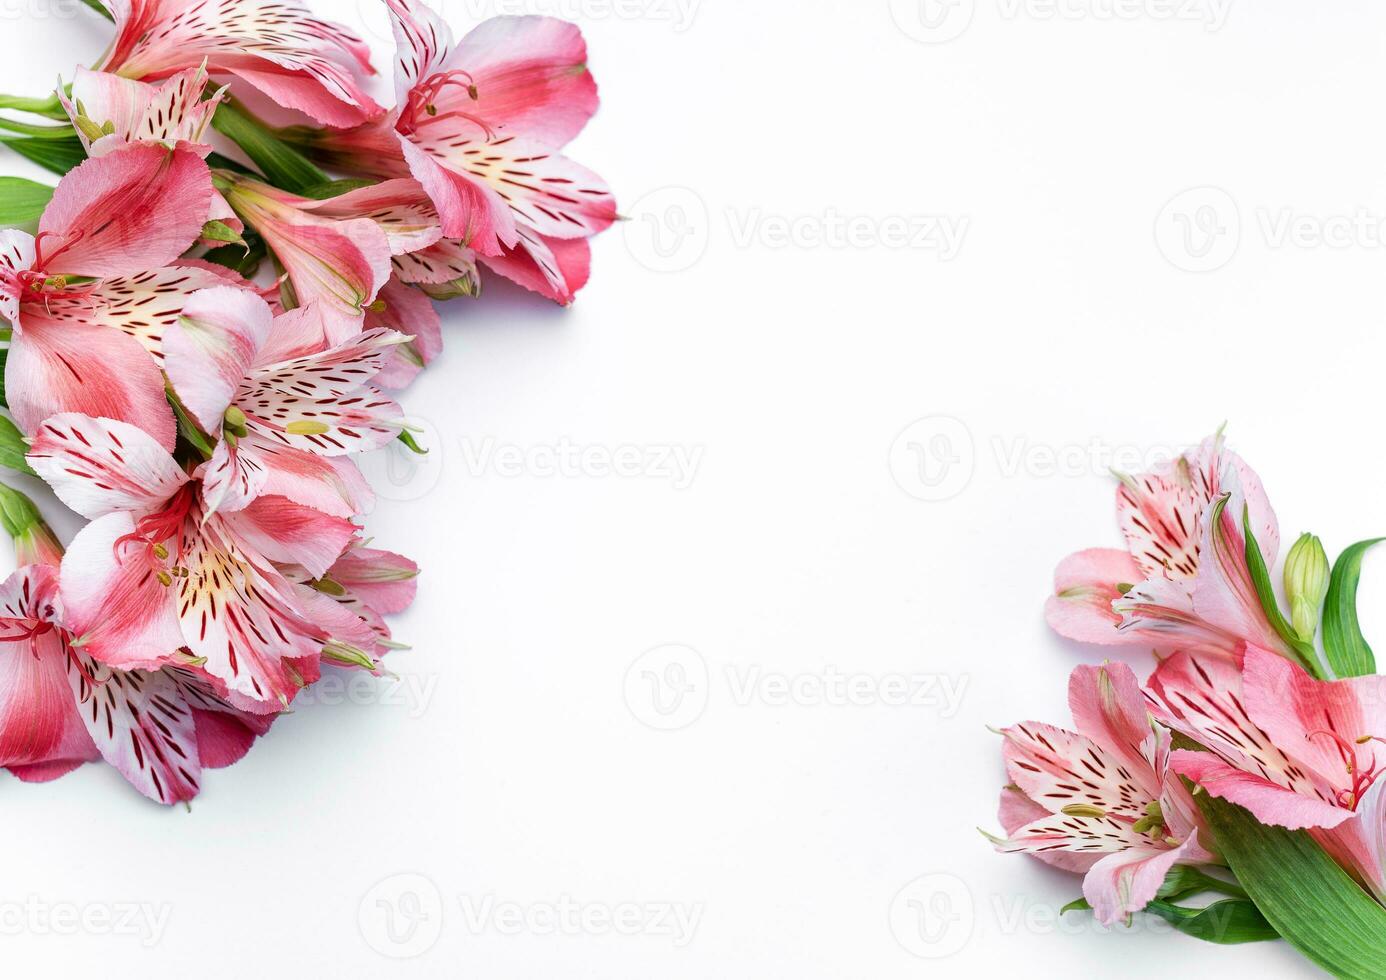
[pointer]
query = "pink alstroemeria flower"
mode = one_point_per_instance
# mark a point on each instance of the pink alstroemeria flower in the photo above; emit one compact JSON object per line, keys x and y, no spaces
{"x":1182,"y":582}
{"x":284,"y":408}
{"x":340,"y":264}
{"x":60,"y":708}
{"x":111,"y":221}
{"x":1102,"y":801}
{"x":109,"y":111}
{"x":479,"y":125}
{"x":352,"y":599}
{"x":1295,"y":751}
{"x":276,"y":46}
{"x":154,"y":572}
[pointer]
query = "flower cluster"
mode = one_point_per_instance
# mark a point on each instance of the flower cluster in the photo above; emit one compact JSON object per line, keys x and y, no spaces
{"x":1253,"y":722}
{"x":201,"y":339}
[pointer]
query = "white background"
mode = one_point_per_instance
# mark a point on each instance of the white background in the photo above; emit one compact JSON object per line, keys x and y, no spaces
{"x":520,"y":771}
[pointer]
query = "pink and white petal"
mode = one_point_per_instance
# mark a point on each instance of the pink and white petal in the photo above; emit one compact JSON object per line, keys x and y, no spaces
{"x":385,"y":581}
{"x":137,"y":208}
{"x":294,"y":334}
{"x":323,"y":403}
{"x":1109,"y":708}
{"x":1215,"y":466}
{"x":336,"y":620}
{"x":1085,"y":586}
{"x":1087,"y":836}
{"x":471,"y":211}
{"x":546,"y":191}
{"x":1161,"y":612}
{"x":1016,"y":810}
{"x":1058,"y":769}
{"x":116,"y":607}
{"x":411,"y":314}
{"x":552,"y":267}
{"x":101,"y":466}
{"x":400,"y":207}
{"x":1124,"y":883}
{"x":1224,"y":595}
{"x":234,"y":613}
{"x":531,"y":77}
{"x":16,"y":256}
{"x":55,"y":368}
{"x":169,"y":112}
{"x":231,"y":479}
{"x":1320,"y":724}
{"x":142,"y":726}
{"x":1160,"y":516}
{"x":423,"y":42}
{"x":224,"y":733}
{"x":286,"y":533}
{"x":1269,"y":802}
{"x":330,"y":484}
{"x":211,"y":348}
{"x":41,"y":734}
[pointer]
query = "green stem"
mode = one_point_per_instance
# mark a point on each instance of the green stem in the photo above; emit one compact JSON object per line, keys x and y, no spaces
{"x":38,"y":132}
{"x":49,"y":107}
{"x":282,"y":165}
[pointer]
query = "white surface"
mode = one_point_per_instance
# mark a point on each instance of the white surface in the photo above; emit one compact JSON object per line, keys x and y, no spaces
{"x":525,"y":777}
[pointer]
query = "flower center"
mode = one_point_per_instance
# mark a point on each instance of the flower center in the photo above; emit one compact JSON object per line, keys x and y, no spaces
{"x":1362,"y":776}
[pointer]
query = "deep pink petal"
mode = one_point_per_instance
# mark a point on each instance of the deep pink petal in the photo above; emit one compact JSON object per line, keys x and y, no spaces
{"x":1269,"y":802}
{"x":382,"y":579}
{"x":289,"y":533}
{"x":551,"y":267}
{"x":410,"y":313}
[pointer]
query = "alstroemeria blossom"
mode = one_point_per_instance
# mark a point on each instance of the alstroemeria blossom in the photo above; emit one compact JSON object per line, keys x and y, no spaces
{"x":1295,"y":751}
{"x":1182,"y":582}
{"x":276,"y":46}
{"x":109,"y":111}
{"x":479,"y":125}
{"x":154,"y":572}
{"x":285,"y":408}
{"x":340,"y":264}
{"x":1102,"y":800}
{"x":111,"y":221}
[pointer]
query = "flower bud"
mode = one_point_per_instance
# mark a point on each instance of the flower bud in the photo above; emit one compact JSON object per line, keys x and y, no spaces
{"x":1306,"y":583}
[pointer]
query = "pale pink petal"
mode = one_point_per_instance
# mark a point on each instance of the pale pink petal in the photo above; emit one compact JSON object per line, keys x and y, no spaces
{"x":531,"y":77}
{"x":1160,"y":612}
{"x":170,"y":112}
{"x":385,"y":581}
{"x":289,"y":533}
{"x":1224,"y":594}
{"x":231,"y":479}
{"x":1016,"y":810}
{"x":41,"y":733}
{"x":1109,"y":708}
{"x":471,"y":210}
{"x":116,"y":606}
{"x":101,"y":466}
{"x":1330,"y":727}
{"x":137,"y":208}
{"x":1085,"y":585}
{"x":296,"y":333}
{"x":333,"y":485}
{"x":551,"y":267}
{"x":1268,"y":802}
{"x":209,"y":351}
{"x":142,"y":726}
{"x":411,"y":314}
{"x":400,"y":207}
{"x":1124,"y":883}
{"x":422,"y":44}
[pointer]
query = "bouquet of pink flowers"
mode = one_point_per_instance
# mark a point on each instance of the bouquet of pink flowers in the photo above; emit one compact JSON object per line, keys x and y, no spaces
{"x":1249,"y":764}
{"x":198,"y":345}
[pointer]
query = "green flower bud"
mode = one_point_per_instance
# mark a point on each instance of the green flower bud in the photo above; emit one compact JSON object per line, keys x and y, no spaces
{"x":1307,"y":574}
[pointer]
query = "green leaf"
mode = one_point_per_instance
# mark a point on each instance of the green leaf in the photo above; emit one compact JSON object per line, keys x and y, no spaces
{"x":13,"y":447}
{"x":22,"y":201}
{"x":1347,"y":650}
{"x":50,"y":106}
{"x":1301,"y":892}
{"x":281,"y":164}
{"x":408,"y":439}
{"x":59,"y":156}
{"x":1229,"y":922}
{"x":244,"y":258}
{"x":1265,"y":591}
{"x":17,"y":512}
{"x":99,"y":8}
{"x":1184,"y":881}
{"x":335,"y":188}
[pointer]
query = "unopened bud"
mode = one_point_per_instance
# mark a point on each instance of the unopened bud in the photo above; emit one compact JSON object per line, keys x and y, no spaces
{"x":1307,"y":575}
{"x":234,"y":422}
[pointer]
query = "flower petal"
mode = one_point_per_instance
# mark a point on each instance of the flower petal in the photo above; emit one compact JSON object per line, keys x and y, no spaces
{"x":551,"y":267}
{"x":1085,"y":585}
{"x":1269,"y":802}
{"x":131,"y":111}
{"x":409,"y":313}
{"x":209,"y":351}
{"x":1125,"y":883}
{"x":290,"y":534}
{"x":101,"y":466}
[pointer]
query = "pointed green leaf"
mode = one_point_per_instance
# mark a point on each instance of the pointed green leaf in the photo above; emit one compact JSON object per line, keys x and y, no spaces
{"x":13,"y":447}
{"x":1346,"y":648}
{"x":22,"y":201}
{"x":59,"y":156}
{"x":1229,"y":922}
{"x":335,"y":188}
{"x":281,"y":164}
{"x":1301,"y":892}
